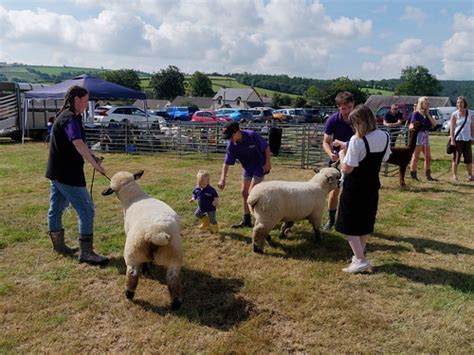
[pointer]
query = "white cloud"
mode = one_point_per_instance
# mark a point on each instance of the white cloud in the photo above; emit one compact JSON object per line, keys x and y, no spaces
{"x":414,"y":14}
{"x":368,"y":51}
{"x":296,"y":37}
{"x":458,"y":50}
{"x":410,"y":52}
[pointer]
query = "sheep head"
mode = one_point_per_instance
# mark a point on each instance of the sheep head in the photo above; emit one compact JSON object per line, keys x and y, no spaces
{"x":329,"y":177}
{"x":121,"y":179}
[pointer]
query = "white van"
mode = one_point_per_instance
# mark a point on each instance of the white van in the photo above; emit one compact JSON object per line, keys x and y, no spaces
{"x":446,"y":112}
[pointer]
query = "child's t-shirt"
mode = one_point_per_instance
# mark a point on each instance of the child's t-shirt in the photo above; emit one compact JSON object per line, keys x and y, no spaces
{"x":205,"y":197}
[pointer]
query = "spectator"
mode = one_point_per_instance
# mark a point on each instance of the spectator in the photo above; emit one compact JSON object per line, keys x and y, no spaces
{"x":360,"y":162}
{"x":337,"y":127}
{"x":65,"y":169}
{"x":393,"y":120}
{"x":253,"y":152}
{"x":461,"y":133}
{"x":422,"y":115}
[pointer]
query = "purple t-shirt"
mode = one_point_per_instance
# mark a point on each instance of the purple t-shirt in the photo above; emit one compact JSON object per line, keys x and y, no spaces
{"x":250,"y":152}
{"x":338,"y":128}
{"x":72,"y":127}
{"x":416,"y":116}
{"x":205,"y":197}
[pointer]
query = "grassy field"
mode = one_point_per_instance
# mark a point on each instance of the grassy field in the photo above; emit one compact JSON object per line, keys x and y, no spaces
{"x":219,"y":82}
{"x":372,"y":91}
{"x":417,"y":298}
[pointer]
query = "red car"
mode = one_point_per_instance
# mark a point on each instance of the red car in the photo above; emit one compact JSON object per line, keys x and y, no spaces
{"x":208,"y":116}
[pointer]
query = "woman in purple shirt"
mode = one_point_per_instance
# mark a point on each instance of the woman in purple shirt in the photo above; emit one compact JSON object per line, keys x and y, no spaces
{"x":422,"y":115}
{"x":65,"y":170}
{"x":253,"y":152}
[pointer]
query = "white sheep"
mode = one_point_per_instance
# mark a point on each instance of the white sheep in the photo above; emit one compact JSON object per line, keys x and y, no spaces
{"x":153,"y":232}
{"x":289,"y":201}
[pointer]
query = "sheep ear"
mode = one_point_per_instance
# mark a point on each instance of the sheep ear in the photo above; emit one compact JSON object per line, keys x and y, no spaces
{"x":138,"y":174}
{"x":107,"y":192}
{"x":316,"y":170}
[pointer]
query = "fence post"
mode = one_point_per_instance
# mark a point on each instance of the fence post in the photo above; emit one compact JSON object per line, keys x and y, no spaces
{"x":303,"y":148}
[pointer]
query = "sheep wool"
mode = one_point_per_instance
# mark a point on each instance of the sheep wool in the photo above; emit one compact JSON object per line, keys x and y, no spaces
{"x":289,"y":201}
{"x":153,"y":234}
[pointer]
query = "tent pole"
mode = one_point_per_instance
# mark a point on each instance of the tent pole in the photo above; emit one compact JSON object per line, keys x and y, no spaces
{"x":25,"y":120}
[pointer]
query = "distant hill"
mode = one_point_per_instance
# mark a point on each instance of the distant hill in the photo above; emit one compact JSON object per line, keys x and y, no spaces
{"x":264,"y":84}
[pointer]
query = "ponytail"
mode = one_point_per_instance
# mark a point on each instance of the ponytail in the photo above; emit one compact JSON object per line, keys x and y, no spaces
{"x":71,"y":94}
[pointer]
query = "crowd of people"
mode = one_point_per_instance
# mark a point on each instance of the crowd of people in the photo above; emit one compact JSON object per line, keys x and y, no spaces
{"x":351,"y":139}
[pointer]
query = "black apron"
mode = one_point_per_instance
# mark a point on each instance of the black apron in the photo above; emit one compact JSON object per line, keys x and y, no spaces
{"x":360,"y":195}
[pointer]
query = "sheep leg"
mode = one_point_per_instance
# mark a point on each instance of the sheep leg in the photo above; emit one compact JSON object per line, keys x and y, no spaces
{"x":315,"y":220}
{"x":259,"y":234}
{"x":285,"y":227}
{"x":401,"y":174}
{"x":131,"y":281}
{"x":173,"y":281}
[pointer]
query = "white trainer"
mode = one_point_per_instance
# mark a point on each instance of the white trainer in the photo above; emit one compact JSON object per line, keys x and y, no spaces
{"x":357,"y":266}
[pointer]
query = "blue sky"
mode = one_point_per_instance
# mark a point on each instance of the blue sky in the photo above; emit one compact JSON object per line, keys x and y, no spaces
{"x":319,"y":39}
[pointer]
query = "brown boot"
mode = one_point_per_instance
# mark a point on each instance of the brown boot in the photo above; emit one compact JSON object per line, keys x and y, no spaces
{"x":57,"y":238}
{"x":87,"y":254}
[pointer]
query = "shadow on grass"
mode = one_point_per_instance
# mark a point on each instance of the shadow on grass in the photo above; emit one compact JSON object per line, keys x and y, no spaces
{"x":299,"y":245}
{"x":422,"y":245}
{"x":457,"y":280}
{"x":208,"y":300}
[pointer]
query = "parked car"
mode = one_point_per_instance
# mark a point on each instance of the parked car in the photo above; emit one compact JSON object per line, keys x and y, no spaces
{"x":236,"y":114}
{"x":438,"y":117}
{"x":405,"y":109}
{"x":181,"y":113}
{"x":208,"y":116}
{"x":282,"y":116}
{"x":446,"y":111}
{"x":446,"y":126}
{"x":127,"y":114}
{"x":313,"y":115}
{"x":261,"y":114}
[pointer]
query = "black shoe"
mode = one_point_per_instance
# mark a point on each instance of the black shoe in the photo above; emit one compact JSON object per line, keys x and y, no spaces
{"x":413,"y":175}
{"x":245,"y":222}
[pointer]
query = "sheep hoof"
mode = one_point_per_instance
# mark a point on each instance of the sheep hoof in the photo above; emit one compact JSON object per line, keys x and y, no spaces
{"x":257,"y":249}
{"x":282,"y":235}
{"x":176,"y":304}
{"x":317,"y":236}
{"x":129,"y":294}
{"x":269,"y":238}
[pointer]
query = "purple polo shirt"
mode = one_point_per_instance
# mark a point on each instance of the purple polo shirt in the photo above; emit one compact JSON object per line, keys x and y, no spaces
{"x":338,"y":128}
{"x":205,"y":197}
{"x":72,"y":127}
{"x":416,"y":116}
{"x":250,"y":152}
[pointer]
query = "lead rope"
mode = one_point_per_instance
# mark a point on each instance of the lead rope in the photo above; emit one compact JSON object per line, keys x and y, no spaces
{"x":93,"y":177}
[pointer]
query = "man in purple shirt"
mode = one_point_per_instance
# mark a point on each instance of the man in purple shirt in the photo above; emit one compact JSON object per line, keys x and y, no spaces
{"x":253,"y":152}
{"x":337,"y":127}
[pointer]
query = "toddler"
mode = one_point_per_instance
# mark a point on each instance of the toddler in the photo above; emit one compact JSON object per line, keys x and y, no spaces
{"x":207,"y":198}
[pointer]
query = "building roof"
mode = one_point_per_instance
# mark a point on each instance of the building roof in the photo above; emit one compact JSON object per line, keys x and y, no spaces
{"x":374,"y":102}
{"x":201,"y":102}
{"x":246,"y":95}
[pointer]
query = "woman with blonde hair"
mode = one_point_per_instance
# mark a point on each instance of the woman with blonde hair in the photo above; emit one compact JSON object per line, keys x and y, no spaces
{"x":461,"y":133}
{"x":361,"y":159}
{"x":422,"y":115}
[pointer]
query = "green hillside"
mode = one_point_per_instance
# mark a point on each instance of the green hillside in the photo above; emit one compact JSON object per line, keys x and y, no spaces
{"x":372,"y":91}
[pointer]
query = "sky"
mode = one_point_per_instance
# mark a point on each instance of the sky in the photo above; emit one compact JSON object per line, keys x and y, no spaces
{"x":320,"y":39}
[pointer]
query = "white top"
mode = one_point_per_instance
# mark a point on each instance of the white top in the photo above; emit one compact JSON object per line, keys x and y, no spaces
{"x":465,"y":134}
{"x":356,"y":151}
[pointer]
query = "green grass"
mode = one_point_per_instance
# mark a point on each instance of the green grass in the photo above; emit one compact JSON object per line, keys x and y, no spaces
{"x":372,"y":91}
{"x":294,"y":298}
{"x":219,"y":82}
